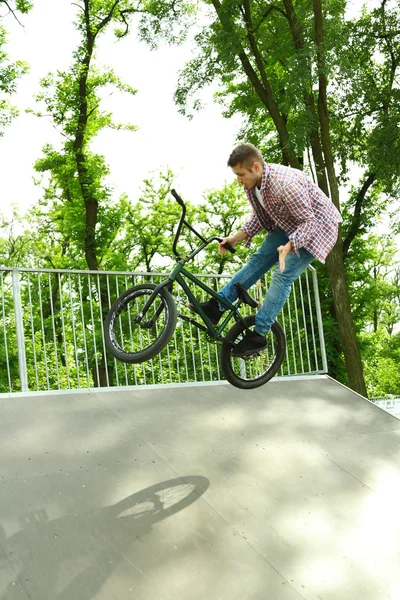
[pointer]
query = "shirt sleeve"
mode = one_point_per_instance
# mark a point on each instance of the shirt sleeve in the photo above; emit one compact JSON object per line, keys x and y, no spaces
{"x":252,"y":227}
{"x":299,"y":205}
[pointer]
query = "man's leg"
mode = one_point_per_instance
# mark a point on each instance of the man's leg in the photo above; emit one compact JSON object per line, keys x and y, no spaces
{"x":258,"y":264}
{"x":275,"y":298}
{"x":279,"y":289}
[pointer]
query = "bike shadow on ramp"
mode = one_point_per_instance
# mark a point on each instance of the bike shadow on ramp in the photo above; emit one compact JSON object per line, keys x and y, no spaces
{"x":71,"y":558}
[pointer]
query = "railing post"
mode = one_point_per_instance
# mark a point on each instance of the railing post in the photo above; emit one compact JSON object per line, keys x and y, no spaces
{"x":319,"y":319}
{"x":19,"y":324}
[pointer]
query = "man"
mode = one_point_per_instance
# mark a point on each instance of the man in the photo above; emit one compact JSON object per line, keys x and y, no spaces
{"x":302,"y":224}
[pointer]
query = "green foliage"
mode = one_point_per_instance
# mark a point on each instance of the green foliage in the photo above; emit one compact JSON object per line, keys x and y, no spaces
{"x":150,"y":226}
{"x":361,"y":65}
{"x":222,"y":213}
{"x":367,"y":97}
{"x":165,"y":20}
{"x":9,"y":74}
{"x":381,"y":358}
{"x":17,"y":243}
{"x":23,"y":6}
{"x":373,"y":277}
{"x":371,"y":270}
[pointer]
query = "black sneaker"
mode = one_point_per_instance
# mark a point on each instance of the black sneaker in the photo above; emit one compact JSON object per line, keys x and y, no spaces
{"x":211,"y":309}
{"x":252,"y":342}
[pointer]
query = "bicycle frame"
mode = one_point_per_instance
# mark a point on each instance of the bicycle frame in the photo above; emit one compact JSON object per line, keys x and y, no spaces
{"x":215,"y":332}
{"x":178,"y":274}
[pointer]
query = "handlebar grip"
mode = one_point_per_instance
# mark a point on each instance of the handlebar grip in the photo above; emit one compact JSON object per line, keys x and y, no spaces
{"x":229,"y":247}
{"x":177,"y":197}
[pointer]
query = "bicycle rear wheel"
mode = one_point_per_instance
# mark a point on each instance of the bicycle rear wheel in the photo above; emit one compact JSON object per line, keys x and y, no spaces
{"x":133,"y":342}
{"x":248,"y":373}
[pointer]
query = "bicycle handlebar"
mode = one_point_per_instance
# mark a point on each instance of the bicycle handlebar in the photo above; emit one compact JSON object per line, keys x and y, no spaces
{"x":227,"y":246}
{"x":182,"y":221}
{"x":177,"y":198}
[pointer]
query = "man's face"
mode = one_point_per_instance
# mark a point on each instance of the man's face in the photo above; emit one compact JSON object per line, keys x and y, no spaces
{"x":249,"y":179}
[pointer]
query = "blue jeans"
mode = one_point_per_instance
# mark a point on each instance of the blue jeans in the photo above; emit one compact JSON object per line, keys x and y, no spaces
{"x":261,"y":262}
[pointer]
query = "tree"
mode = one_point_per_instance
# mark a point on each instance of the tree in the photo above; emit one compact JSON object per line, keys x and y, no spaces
{"x":151,"y":224}
{"x":9,"y":72}
{"x":72,"y":99}
{"x":276,"y":64}
{"x":373,"y":285}
{"x":87,"y":218}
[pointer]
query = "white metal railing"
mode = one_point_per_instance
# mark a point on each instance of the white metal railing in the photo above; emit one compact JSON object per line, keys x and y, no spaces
{"x":51,"y":332}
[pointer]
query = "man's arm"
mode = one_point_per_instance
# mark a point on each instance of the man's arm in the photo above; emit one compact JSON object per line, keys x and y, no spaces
{"x":283,"y":252}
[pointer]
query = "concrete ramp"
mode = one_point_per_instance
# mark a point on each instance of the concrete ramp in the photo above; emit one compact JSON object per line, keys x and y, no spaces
{"x":288,"y":492}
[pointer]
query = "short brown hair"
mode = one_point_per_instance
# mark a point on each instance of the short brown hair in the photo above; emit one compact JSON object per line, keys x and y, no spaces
{"x":246,"y":155}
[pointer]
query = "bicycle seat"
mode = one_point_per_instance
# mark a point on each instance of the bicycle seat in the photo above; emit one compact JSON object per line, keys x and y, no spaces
{"x":245,"y":296}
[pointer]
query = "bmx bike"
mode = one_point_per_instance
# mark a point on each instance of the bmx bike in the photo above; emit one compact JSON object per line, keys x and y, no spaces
{"x":141,"y":322}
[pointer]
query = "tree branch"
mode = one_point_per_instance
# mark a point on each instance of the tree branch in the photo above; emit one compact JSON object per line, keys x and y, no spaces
{"x":262,"y":88}
{"x":122,"y":13}
{"x":296,"y":31}
{"x":12,"y":12}
{"x":78,"y":6}
{"x":394,"y":61}
{"x":253,"y":43}
{"x":108,"y":18}
{"x":356,"y":219}
{"x":269,"y":10}
{"x":323,"y":103}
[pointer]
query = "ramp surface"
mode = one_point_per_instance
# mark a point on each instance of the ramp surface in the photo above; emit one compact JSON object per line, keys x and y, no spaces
{"x":288,"y":492}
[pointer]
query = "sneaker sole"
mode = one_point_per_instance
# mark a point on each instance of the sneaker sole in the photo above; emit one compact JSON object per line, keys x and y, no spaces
{"x":192,"y":308}
{"x":248,"y":353}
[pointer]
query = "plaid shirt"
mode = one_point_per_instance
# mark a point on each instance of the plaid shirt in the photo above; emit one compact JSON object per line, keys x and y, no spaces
{"x":295,"y":204}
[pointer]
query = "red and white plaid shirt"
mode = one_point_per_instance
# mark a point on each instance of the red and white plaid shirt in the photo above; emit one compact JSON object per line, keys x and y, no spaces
{"x":295,"y":204}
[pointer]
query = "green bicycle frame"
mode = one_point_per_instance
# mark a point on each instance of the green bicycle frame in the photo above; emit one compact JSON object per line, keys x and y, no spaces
{"x":177,"y":275}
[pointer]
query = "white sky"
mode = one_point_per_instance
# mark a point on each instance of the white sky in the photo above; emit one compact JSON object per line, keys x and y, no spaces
{"x":196,"y":150}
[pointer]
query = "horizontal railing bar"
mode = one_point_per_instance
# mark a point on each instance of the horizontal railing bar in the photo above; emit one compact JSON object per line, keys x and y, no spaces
{"x":135,"y":273}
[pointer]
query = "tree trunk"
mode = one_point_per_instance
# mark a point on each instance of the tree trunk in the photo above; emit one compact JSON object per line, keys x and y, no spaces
{"x":103,"y":370}
{"x":348,"y":338}
{"x":296,"y":31}
{"x":334,"y":263}
{"x":90,"y":200}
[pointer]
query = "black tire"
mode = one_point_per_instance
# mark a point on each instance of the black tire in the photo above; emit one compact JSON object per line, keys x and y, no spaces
{"x":134,"y":343}
{"x":249,"y":373}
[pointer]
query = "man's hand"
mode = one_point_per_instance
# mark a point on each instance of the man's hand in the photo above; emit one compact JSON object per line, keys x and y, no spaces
{"x":234,"y":239}
{"x":283,"y":252}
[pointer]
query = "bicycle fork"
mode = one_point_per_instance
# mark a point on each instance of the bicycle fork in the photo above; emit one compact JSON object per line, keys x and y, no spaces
{"x":148,"y":324}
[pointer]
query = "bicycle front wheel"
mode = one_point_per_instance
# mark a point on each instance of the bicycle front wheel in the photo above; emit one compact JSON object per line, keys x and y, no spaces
{"x":251,"y":372}
{"x":134,"y":342}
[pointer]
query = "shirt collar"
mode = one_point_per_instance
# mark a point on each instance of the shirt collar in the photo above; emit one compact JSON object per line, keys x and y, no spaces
{"x":265,"y":176}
